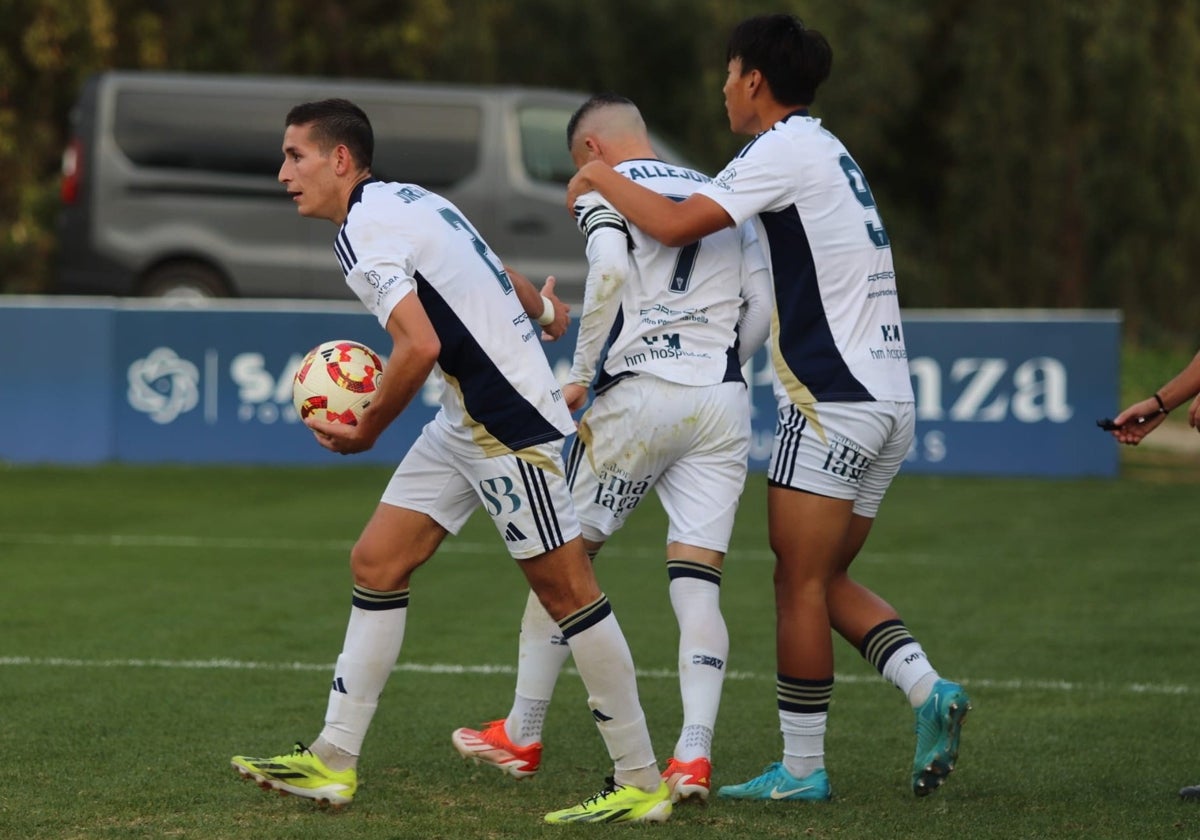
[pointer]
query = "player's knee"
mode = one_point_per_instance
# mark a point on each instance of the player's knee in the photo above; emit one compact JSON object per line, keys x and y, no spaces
{"x":562,"y":579}
{"x":797,"y":585}
{"x":381,"y":568}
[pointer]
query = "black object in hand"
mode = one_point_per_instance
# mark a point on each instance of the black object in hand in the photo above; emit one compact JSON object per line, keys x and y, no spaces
{"x":1109,"y":426}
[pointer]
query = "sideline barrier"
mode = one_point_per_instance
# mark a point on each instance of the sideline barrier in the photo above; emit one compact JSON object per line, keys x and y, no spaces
{"x":88,"y":380}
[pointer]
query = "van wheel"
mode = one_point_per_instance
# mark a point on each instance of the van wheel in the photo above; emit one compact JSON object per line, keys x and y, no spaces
{"x":184,"y":281}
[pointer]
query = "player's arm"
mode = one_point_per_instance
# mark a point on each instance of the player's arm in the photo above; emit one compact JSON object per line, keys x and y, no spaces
{"x":415,"y":349}
{"x":1143,"y":417}
{"x":1183,"y":387}
{"x":758,"y":296}
{"x":608,"y":268}
{"x":543,"y":308}
{"x":672,"y":223}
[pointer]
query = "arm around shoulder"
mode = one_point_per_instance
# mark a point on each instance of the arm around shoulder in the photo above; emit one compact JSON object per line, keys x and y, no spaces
{"x":672,"y":223}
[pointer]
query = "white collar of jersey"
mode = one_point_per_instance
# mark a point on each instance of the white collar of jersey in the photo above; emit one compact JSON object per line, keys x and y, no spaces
{"x":356,"y":193}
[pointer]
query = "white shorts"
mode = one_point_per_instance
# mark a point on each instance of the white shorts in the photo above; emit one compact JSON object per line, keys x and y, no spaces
{"x":852,"y":451}
{"x":689,"y":442}
{"x":524,"y":493}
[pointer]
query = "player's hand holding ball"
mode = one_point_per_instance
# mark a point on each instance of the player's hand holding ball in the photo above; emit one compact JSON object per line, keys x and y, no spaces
{"x":336,"y":383}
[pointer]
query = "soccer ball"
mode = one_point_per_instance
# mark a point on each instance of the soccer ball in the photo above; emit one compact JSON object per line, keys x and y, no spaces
{"x":336,"y":381}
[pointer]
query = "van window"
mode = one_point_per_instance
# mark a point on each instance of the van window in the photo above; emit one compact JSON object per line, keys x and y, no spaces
{"x":544,"y":143}
{"x":433,"y":145}
{"x":214,"y":133}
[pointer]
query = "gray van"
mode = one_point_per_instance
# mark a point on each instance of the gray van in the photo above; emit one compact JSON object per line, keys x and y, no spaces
{"x":169,"y":184}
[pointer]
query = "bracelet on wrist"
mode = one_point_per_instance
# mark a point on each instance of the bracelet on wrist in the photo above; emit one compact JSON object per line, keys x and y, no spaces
{"x":1162,"y":407}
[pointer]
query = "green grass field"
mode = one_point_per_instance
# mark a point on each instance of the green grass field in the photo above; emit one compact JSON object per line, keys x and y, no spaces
{"x":156,"y":620}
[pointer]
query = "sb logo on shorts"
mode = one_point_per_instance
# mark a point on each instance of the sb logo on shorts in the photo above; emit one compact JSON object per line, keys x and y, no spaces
{"x":498,"y":496}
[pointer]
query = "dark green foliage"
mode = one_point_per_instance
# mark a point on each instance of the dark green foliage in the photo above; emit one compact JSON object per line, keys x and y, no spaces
{"x":1028,"y":154}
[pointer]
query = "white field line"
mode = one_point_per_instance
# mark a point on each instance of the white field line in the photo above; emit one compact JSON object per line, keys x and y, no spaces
{"x":645,"y":674}
{"x":450,"y":546}
{"x":461,"y":547}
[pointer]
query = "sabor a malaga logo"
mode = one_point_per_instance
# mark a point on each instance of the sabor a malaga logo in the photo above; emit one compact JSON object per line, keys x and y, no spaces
{"x":724,"y":177}
{"x":163,"y":386}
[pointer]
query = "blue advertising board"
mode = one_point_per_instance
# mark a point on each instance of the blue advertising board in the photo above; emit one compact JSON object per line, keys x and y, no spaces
{"x":58,"y":381}
{"x":1013,"y":393}
{"x":998,"y":392}
{"x":217,"y":386}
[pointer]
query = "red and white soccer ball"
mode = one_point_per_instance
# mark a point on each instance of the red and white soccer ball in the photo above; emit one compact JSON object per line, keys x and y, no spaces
{"x":337,"y":381}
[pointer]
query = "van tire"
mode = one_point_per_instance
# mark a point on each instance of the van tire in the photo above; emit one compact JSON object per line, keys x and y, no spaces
{"x":187,"y":280}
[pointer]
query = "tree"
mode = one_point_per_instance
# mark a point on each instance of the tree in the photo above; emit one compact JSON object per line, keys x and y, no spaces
{"x":1024,"y":154}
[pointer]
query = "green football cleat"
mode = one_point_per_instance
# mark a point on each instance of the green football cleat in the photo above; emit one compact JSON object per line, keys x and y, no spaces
{"x":302,"y":773}
{"x":618,"y":803}
{"x":939,"y":725}
{"x":777,"y":784}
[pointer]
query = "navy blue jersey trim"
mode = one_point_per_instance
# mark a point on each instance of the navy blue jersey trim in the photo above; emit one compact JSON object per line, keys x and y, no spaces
{"x":603,"y":383}
{"x":799,"y":112}
{"x":805,"y":339}
{"x":603,"y":378}
{"x":357,"y":193}
{"x":344,"y":251}
{"x":611,"y":225}
{"x":733,"y":367}
{"x":341,"y":245}
{"x":490,"y":399}
{"x":746,"y":148}
{"x":600,"y":218}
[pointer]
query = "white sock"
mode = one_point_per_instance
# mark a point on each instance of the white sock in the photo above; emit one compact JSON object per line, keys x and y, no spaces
{"x":370,"y":651}
{"x":910,"y":671}
{"x":803,"y":741}
{"x":703,"y":654}
{"x":542,"y":652}
{"x":333,"y":757}
{"x":606,"y":667}
{"x":922,"y":688}
{"x":695,"y":741}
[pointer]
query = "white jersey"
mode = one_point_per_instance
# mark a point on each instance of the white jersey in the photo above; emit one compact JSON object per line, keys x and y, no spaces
{"x":672,"y":313}
{"x":837,"y":334}
{"x":500,"y":393}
